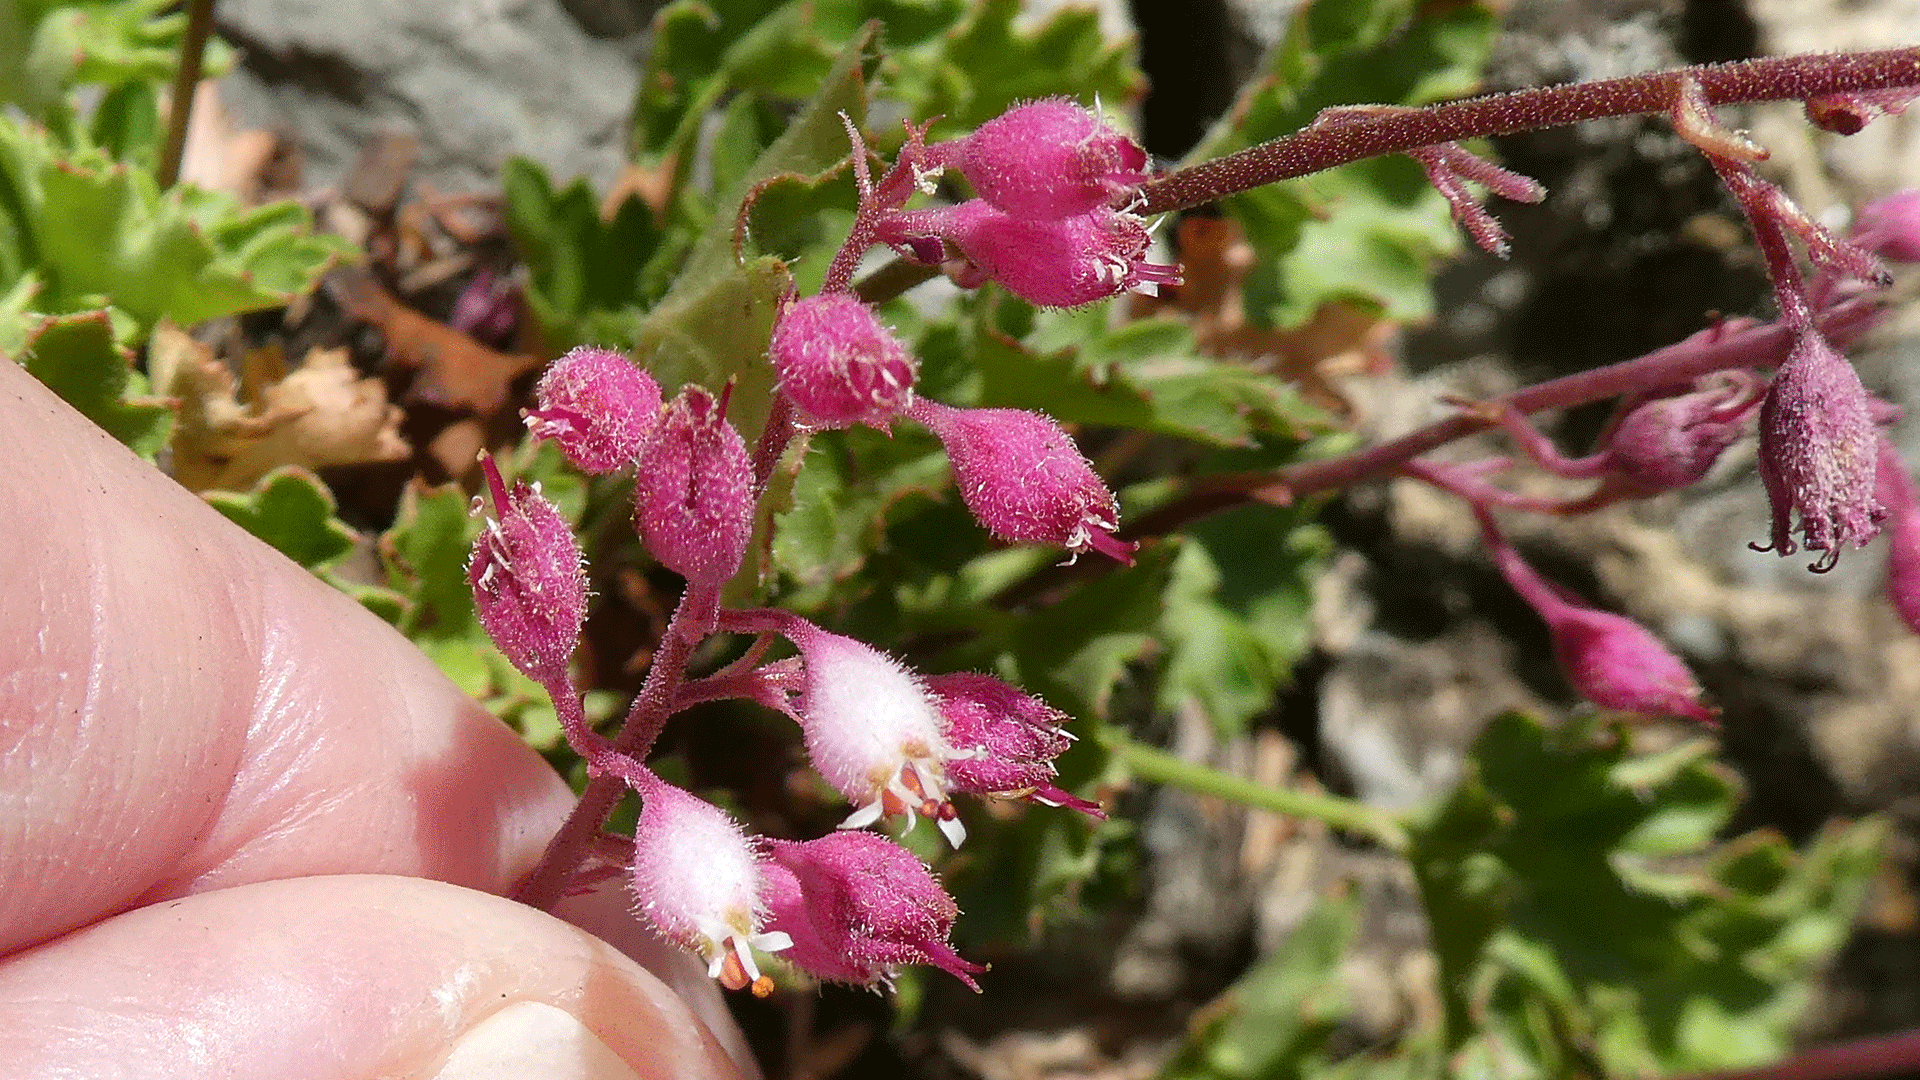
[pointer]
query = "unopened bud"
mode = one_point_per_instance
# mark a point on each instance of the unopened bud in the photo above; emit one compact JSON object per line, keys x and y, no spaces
{"x":693,"y":499}
{"x":1611,"y":660}
{"x":1004,"y":741}
{"x":1890,"y":226}
{"x":1063,"y":262}
{"x":857,"y":906}
{"x":1051,"y":159}
{"x":1023,"y":478}
{"x":1895,"y":488}
{"x":529,"y":584}
{"x":839,"y":365}
{"x":598,"y":407}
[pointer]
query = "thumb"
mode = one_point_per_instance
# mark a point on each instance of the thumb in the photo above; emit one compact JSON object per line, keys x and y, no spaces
{"x":345,"y":978}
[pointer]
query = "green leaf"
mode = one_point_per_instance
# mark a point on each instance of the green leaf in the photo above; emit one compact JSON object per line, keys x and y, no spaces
{"x":49,"y":48}
{"x":78,"y":358}
{"x":1370,"y":232}
{"x":93,"y":228}
{"x":291,"y":509}
{"x":1585,"y":921}
{"x":980,"y":67}
{"x":1237,"y":610}
{"x":1146,"y":374}
{"x":1273,"y":1024}
{"x":584,"y":272}
{"x":713,"y":325}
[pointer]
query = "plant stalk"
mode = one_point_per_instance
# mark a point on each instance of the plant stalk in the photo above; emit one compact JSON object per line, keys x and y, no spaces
{"x":1341,"y":813}
{"x":186,"y":78}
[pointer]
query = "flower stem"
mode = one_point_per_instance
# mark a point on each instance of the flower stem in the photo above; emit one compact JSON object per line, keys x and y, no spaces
{"x":574,"y":842}
{"x":1341,"y":813}
{"x":1733,"y":345}
{"x":1354,"y":135}
{"x":193,"y":47}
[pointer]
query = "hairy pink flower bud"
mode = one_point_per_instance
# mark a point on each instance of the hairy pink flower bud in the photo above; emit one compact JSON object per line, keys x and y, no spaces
{"x":598,"y":407}
{"x":1895,"y":488}
{"x":529,"y":584}
{"x":872,"y":732}
{"x":1611,"y":660}
{"x":1004,"y":741}
{"x":1063,"y":262}
{"x":839,"y":365}
{"x":1817,"y":453}
{"x":1890,"y":226}
{"x":699,"y":881}
{"x":693,"y":499}
{"x":857,"y":906}
{"x":1023,"y":478}
{"x":1671,"y":442}
{"x":1050,"y":159}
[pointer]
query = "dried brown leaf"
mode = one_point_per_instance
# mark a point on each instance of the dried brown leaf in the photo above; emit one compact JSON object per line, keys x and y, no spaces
{"x":321,"y":414}
{"x":455,"y":371}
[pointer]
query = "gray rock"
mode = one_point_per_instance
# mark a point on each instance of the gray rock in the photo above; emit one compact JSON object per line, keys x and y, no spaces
{"x":478,"y":81}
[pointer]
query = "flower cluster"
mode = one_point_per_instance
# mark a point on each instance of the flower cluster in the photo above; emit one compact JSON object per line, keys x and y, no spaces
{"x":1055,"y":220}
{"x":852,"y":906}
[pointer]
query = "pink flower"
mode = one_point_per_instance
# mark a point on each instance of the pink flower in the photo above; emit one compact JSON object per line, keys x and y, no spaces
{"x":857,"y":906}
{"x":1063,"y":262}
{"x":1817,"y":453}
{"x":529,"y":583}
{"x":1610,"y":660}
{"x":1890,"y":226}
{"x":1023,"y":478}
{"x":700,"y":882}
{"x":598,"y":407}
{"x":1004,"y":741}
{"x":1048,"y":159}
{"x":693,"y":499}
{"x":1671,"y":442}
{"x":1895,"y":488}
{"x":872,"y":731}
{"x":839,"y":365}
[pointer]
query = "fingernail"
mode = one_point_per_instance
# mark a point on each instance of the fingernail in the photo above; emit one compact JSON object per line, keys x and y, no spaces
{"x":532,"y":1040}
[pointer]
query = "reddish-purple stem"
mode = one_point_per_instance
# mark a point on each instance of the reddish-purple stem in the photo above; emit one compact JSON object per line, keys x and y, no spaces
{"x":574,"y":842}
{"x":1747,"y":344}
{"x":1353,"y":136}
{"x":1859,"y":1059}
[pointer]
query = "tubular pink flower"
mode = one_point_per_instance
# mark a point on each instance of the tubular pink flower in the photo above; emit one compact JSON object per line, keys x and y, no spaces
{"x":1890,"y":226}
{"x":1063,"y":262}
{"x":1817,"y":453}
{"x":1004,"y":741}
{"x":1048,"y":159}
{"x":699,"y":880}
{"x":839,"y":365}
{"x":1895,"y":488}
{"x":872,"y":731}
{"x":598,"y":407}
{"x":693,"y":499}
{"x":1611,"y":660}
{"x":856,"y":906}
{"x":1023,"y":478}
{"x":528,"y":578}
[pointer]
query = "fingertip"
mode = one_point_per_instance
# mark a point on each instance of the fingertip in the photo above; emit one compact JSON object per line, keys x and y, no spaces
{"x":345,"y":978}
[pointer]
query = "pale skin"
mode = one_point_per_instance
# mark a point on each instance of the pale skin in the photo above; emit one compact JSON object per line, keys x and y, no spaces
{"x":247,"y":830}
